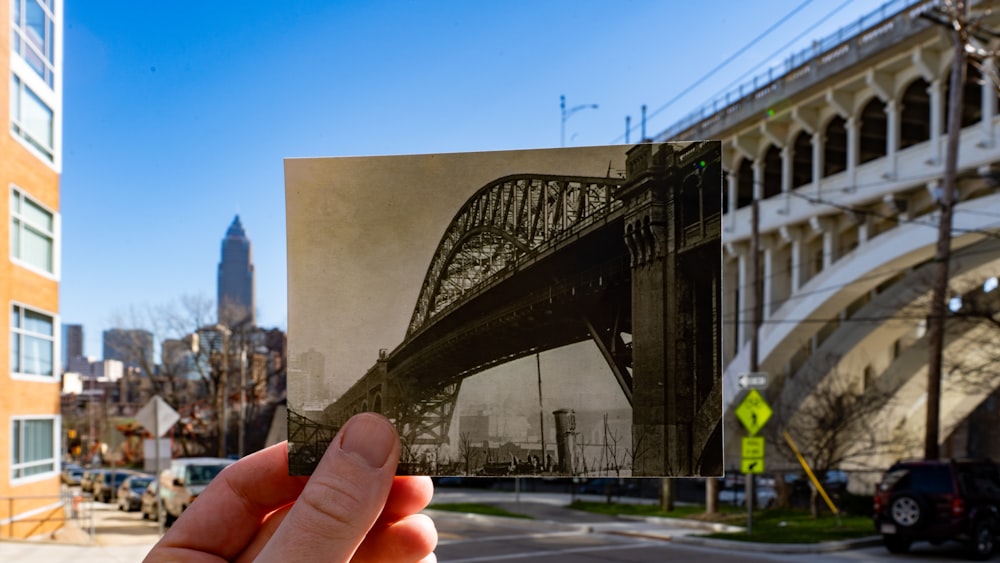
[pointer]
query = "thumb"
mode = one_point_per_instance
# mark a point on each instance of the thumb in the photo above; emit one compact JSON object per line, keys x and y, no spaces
{"x":344,"y":496}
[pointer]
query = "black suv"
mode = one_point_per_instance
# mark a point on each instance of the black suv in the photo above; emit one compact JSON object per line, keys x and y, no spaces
{"x":938,"y":501}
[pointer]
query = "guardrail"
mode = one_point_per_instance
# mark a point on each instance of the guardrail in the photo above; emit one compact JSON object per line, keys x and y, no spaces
{"x":826,"y":49}
{"x":65,"y":508}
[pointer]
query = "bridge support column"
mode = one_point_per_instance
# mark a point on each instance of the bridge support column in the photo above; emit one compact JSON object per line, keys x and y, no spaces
{"x":675,"y":304}
{"x":989,"y":103}
{"x":936,"y":93}
{"x":892,"y":117}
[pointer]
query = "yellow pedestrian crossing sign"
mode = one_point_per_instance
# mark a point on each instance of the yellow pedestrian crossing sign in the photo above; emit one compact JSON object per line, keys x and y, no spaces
{"x":753,"y":411}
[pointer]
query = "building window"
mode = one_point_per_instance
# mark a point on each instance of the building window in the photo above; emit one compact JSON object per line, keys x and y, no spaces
{"x":32,"y":342}
{"x":30,"y":118}
{"x":33,"y":447}
{"x":34,"y":36}
{"x":32,"y":233}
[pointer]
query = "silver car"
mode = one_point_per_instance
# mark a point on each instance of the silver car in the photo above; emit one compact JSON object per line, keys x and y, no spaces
{"x":184,"y":480}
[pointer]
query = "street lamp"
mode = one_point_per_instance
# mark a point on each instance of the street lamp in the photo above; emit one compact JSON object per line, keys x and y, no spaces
{"x":566,"y":114}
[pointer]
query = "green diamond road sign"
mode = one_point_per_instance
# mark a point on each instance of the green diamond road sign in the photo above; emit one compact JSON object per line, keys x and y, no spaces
{"x":753,"y":411}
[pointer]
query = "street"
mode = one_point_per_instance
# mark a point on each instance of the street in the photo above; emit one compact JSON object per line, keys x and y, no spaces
{"x":553,"y":535}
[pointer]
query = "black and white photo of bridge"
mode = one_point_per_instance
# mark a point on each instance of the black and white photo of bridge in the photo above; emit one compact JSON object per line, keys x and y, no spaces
{"x":551,"y":312}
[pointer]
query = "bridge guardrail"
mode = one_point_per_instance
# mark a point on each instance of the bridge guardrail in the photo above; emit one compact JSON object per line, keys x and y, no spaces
{"x":793,"y":65}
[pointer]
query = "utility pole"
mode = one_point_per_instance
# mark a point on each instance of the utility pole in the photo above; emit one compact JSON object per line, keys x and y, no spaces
{"x":243,"y":399}
{"x":541,"y":408}
{"x":936,"y":322}
{"x":755,"y":319}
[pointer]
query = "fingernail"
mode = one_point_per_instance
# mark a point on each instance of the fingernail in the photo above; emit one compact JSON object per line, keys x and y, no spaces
{"x":369,"y":436}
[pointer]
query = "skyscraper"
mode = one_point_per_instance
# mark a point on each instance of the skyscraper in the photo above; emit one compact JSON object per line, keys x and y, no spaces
{"x":72,"y":343}
{"x":236,"y":298}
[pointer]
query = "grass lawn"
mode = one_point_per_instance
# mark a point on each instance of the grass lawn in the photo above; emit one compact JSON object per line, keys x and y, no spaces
{"x":475,"y":508}
{"x":685,"y":511}
{"x":797,"y":526}
{"x":769,"y":526}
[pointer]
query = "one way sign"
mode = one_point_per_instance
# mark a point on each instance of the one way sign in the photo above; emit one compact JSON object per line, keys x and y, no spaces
{"x":753,"y":380}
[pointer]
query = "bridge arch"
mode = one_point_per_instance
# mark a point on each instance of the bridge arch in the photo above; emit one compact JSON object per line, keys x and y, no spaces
{"x":500,"y":224}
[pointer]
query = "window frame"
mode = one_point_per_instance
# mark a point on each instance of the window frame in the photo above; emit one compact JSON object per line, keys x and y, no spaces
{"x":17,"y":425}
{"x":54,"y":340}
{"x":55,"y":235}
{"x":48,"y":93}
{"x":21,"y":45}
{"x":21,"y":90}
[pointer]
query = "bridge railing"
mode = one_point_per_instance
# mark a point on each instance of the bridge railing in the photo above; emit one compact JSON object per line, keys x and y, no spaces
{"x":768,"y":80}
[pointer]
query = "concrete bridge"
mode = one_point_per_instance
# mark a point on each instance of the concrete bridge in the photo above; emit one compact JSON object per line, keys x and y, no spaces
{"x":844,"y":147}
{"x":535,"y":262}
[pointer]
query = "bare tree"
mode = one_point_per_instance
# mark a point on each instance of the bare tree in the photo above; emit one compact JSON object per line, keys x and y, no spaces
{"x":833,"y":425}
{"x":200,"y":366}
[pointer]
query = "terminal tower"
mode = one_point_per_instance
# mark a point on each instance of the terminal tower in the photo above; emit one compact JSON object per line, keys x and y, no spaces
{"x":236,"y":297}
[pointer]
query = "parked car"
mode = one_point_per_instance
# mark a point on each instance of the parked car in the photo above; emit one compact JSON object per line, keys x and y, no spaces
{"x":72,"y":474}
{"x":736,"y":496}
{"x":184,"y":480}
{"x":106,"y":487}
{"x":147,"y":503}
{"x":90,"y":478}
{"x":938,"y":501}
{"x":130,"y":492}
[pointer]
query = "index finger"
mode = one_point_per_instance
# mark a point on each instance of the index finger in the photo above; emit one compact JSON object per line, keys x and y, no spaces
{"x":225,"y":517}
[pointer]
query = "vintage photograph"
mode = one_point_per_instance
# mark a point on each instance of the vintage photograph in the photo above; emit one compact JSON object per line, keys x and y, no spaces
{"x":540,"y":312}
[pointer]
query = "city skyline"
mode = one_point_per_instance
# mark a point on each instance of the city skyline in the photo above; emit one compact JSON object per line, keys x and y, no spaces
{"x":193,"y":125}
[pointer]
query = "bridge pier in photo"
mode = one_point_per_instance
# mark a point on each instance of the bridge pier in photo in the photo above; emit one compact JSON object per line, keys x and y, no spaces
{"x":672,"y":233}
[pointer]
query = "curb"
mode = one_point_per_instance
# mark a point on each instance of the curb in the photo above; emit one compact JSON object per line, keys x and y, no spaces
{"x":683,"y":523}
{"x":823,"y":547}
{"x":562,"y":526}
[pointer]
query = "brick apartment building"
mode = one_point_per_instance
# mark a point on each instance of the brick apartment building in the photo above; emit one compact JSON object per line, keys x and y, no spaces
{"x":30,"y":164}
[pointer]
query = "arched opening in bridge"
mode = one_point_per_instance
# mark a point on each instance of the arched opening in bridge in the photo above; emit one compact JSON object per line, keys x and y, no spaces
{"x":377,"y":405}
{"x":744,"y":184}
{"x":835,"y":150}
{"x":915,"y":114}
{"x":772,"y":172}
{"x":802,"y":160}
{"x":873,"y":131}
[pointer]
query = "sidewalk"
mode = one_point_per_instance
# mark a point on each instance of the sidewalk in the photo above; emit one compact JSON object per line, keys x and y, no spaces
{"x":53,"y":552}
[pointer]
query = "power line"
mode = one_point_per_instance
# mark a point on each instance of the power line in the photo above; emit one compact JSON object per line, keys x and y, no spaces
{"x":719,"y":67}
{"x":965,"y":252}
{"x":791,"y":42}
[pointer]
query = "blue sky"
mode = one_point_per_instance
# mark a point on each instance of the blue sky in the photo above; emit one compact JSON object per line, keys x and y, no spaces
{"x":178,"y":114}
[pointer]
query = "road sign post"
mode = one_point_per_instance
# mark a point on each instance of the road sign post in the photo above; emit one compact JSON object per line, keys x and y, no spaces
{"x":753,"y":412}
{"x":158,"y":417}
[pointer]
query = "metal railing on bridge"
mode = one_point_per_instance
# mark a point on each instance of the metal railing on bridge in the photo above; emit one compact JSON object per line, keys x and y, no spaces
{"x":752,"y":87}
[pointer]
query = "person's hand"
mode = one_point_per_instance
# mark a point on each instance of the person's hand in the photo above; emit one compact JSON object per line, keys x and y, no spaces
{"x":351,"y":509}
